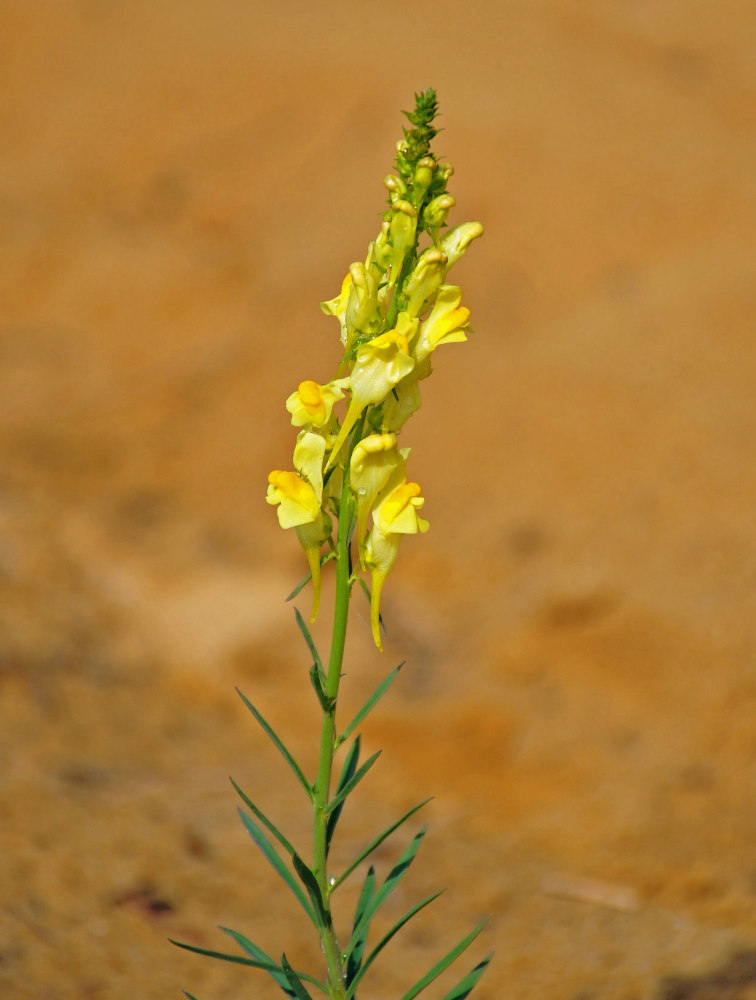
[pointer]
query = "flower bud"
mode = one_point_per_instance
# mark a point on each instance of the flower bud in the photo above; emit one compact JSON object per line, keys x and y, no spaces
{"x":423,"y":178}
{"x":436,"y":212}
{"x":363,"y":301}
{"x":425,"y":279}
{"x":457,"y":240}
{"x":397,"y":189}
{"x":402,"y":227}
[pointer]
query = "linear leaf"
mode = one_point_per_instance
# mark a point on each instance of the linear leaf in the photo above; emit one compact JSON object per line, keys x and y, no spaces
{"x":387,"y":937}
{"x":464,"y":986}
{"x":275,"y":970}
{"x":325,"y":702}
{"x":278,"y":744}
{"x":374,"y":697}
{"x":189,"y":995}
{"x":309,"y":640}
{"x":264,"y":820}
{"x":347,"y":772}
{"x":313,"y":890}
{"x":377,"y":842}
{"x":294,"y":981}
{"x":388,"y":886}
{"x":340,"y":795}
{"x":238,"y":959}
{"x":355,"y":959}
{"x":444,"y":963}
{"x":275,"y":860}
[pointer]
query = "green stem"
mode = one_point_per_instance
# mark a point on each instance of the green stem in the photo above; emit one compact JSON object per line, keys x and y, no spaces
{"x":328,"y":740}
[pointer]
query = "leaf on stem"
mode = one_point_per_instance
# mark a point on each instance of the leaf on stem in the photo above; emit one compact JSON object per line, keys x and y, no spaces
{"x":296,"y":984}
{"x":371,"y":702}
{"x":277,"y":863}
{"x":349,"y":787}
{"x":387,"y":937}
{"x":278,"y":743}
{"x":377,"y":842}
{"x":267,"y":963}
{"x":264,"y":820}
{"x":191,"y":997}
{"x":237,"y":959}
{"x":388,"y":886}
{"x":313,"y":890}
{"x":445,"y":962}
{"x":309,"y":640}
{"x":355,"y":958}
{"x":347,"y":773}
{"x":464,"y":986}
{"x":326,"y":703}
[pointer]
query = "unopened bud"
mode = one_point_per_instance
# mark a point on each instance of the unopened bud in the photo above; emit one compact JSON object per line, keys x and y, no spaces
{"x":402,"y":235}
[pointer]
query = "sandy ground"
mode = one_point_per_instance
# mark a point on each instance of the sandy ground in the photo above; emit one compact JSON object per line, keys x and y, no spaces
{"x":181,"y":184}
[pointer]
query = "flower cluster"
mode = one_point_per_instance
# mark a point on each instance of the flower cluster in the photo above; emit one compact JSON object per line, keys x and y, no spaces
{"x":393,"y":311}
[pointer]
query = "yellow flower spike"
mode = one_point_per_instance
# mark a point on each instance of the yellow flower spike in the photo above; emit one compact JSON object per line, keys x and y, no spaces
{"x":445,"y":324}
{"x":373,"y":461}
{"x":313,"y":403}
{"x":338,"y":306}
{"x":425,"y":279}
{"x":402,"y":226}
{"x":379,"y":365}
{"x":457,"y":240}
{"x":363,"y":301}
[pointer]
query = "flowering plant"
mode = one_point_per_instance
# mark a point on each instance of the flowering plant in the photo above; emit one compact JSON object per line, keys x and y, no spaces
{"x":349,"y":494}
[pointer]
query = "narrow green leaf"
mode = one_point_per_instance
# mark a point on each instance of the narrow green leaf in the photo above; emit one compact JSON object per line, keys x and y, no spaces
{"x":238,"y":959}
{"x":326,"y":703}
{"x":267,"y":962}
{"x":445,"y":962}
{"x":347,"y":772}
{"x":191,"y":997}
{"x":464,"y":986}
{"x":388,"y":886}
{"x":264,"y":819}
{"x":308,"y":639}
{"x":377,"y":842}
{"x":306,"y":579}
{"x":278,"y":744}
{"x":294,"y":981}
{"x":355,"y":958}
{"x":349,"y":787}
{"x":387,"y":937}
{"x":275,"y":860}
{"x":313,"y":890}
{"x":369,"y":704}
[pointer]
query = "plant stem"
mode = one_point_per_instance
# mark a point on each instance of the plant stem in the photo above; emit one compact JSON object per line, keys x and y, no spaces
{"x":328,"y":740}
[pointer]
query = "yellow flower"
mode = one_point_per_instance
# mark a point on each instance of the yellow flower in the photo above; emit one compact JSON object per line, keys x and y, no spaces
{"x":425,"y":279}
{"x":299,"y":495}
{"x":395,"y":515}
{"x":373,"y":461}
{"x":338,"y":306}
{"x":378,"y":366}
{"x":313,"y":403}
{"x":445,"y":325}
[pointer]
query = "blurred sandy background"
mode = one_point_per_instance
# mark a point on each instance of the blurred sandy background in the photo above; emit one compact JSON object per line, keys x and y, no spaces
{"x":181,"y":184}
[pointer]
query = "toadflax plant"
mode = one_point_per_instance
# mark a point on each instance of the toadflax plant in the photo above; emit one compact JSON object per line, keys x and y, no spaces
{"x":350,"y":502}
